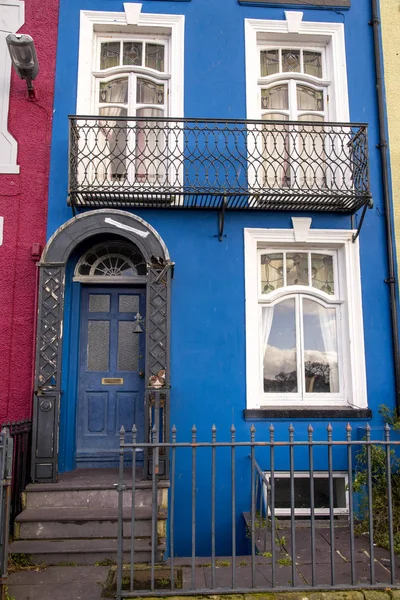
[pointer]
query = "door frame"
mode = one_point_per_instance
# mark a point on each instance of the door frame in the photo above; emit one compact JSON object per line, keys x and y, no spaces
{"x":50,"y":325}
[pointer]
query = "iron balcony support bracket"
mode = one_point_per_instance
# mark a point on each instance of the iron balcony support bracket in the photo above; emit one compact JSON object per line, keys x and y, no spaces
{"x":369,"y":204}
{"x":221,"y":218}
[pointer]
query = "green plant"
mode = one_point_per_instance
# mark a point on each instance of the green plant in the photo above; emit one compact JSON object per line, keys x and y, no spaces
{"x":6,"y":595}
{"x":242,"y":563}
{"x":379,"y":495}
{"x":223,"y":563}
{"x":285,"y":562}
{"x":266,"y":554}
{"x":107,"y":562}
{"x":390,"y":416}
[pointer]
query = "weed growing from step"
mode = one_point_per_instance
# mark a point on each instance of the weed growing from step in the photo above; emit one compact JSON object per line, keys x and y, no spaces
{"x":22,"y":562}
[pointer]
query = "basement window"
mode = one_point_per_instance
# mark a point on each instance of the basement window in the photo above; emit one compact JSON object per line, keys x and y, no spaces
{"x":302,"y":493}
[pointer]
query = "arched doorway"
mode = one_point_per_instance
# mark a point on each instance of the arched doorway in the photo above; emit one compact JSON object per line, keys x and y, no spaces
{"x":129,"y":269}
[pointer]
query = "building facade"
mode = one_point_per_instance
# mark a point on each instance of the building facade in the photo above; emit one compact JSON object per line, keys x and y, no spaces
{"x":212,"y":164}
{"x":25,"y":139}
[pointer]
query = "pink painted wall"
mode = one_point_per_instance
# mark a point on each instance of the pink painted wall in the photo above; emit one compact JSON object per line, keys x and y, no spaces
{"x":23,"y":204}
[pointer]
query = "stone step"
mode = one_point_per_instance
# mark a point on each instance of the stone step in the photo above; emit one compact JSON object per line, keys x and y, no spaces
{"x":92,"y":498}
{"x":84,"y":551}
{"x":83,"y":522}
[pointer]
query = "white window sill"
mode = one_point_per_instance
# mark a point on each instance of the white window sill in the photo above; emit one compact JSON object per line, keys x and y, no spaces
{"x":296,"y":412}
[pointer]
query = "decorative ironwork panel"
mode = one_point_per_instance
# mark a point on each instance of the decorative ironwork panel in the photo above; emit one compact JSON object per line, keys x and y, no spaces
{"x":51,"y":299}
{"x":157,"y":321}
{"x":185,"y":163}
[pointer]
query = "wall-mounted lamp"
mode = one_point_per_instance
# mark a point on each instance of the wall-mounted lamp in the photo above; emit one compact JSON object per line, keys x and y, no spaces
{"x":138,"y":322}
{"x":24,"y":58}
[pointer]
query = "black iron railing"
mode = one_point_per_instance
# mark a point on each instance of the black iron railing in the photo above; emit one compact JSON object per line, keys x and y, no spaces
{"x":6,"y":465}
{"x":214,"y":164}
{"x":321,"y":512}
{"x":20,"y":432}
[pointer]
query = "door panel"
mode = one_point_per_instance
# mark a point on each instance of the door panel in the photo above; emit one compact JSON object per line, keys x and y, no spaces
{"x":111,"y":389}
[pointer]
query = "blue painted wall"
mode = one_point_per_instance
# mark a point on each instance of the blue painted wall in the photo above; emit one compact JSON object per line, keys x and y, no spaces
{"x":208,"y":315}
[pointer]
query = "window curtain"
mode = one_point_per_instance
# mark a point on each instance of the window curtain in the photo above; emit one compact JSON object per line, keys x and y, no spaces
{"x":266,"y":324}
{"x":327,"y":321}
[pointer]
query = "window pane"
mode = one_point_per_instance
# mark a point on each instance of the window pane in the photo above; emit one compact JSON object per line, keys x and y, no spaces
{"x":269,"y":62}
{"x":128,"y":347}
{"x":109,"y":55}
{"x":132,"y":53}
{"x":149,"y":92}
{"x":291,"y":61}
{"x":99,"y":303}
{"x":322,"y":273}
{"x":155,"y":57}
{"x":98,"y":345}
{"x":275,"y":98}
{"x":309,"y":99}
{"x":114,"y":91}
{"x":312,"y":63}
{"x":113,"y":141}
{"x":296,"y":268}
{"x":278,"y":328}
{"x":320,"y":348}
{"x":150,"y":163}
{"x":128,"y":303}
{"x":302,"y":492}
{"x":271,"y":272}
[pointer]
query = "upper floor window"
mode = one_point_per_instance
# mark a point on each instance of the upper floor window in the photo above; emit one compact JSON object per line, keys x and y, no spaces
{"x":291,"y":84}
{"x":132,"y":80}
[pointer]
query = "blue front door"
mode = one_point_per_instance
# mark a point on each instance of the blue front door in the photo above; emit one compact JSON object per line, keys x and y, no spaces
{"x":111,"y":372}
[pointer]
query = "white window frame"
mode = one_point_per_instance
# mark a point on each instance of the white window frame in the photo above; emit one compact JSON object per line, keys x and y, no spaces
{"x":351,"y":347}
{"x":95,"y":24}
{"x":260,"y":33}
{"x":12,"y":17}
{"x":320,"y":512}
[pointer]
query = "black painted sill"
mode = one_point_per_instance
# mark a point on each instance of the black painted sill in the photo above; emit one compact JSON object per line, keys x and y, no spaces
{"x":264,"y":414}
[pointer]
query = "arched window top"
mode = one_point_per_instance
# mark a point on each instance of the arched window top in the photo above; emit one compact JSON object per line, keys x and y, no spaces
{"x":110,"y":261}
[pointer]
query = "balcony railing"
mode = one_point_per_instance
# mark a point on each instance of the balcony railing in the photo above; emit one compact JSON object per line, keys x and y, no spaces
{"x":200,"y":163}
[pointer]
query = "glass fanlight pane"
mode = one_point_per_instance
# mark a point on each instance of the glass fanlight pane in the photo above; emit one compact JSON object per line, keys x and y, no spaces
{"x":309,"y":99}
{"x":296,"y":268}
{"x":132,"y":53}
{"x":291,"y":61}
{"x":269,"y":62}
{"x":109,"y":55}
{"x":275,"y":98}
{"x":155,"y":57}
{"x":322,"y":273}
{"x":320,"y":348}
{"x":271,"y":272}
{"x":149,"y":92}
{"x":278,"y":324}
{"x":312,"y":63}
{"x":115,"y":91}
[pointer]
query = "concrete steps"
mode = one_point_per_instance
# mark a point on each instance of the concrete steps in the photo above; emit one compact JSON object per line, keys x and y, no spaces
{"x":75,"y":520}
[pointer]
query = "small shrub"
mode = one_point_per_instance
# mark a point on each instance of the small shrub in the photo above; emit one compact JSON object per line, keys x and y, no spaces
{"x":379,"y":495}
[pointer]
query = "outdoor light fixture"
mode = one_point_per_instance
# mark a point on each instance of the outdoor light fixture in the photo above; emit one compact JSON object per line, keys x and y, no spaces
{"x":23,"y":55}
{"x":138,"y":322}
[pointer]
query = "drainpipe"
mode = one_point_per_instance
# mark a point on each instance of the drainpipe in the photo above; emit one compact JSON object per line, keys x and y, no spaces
{"x":387,"y":197}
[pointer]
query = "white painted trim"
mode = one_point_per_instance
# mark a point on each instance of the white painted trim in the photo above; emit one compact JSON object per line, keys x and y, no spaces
{"x":1,"y":230}
{"x":88,"y":22}
{"x":330,"y":34}
{"x":132,"y":12}
{"x":12,"y":17}
{"x":349,"y":280}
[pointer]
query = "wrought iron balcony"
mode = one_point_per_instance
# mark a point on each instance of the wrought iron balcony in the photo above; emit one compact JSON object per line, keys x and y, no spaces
{"x":209,"y":164}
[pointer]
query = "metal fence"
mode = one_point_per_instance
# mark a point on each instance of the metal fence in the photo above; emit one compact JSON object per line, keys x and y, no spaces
{"x":6,"y":453}
{"x":321,"y":512}
{"x":20,"y":432}
{"x":202,"y":163}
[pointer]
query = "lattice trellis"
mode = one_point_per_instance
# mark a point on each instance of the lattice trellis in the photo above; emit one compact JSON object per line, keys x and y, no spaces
{"x":50,"y":327}
{"x":157,"y":319}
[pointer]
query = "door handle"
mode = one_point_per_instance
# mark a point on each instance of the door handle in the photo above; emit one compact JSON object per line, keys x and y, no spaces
{"x":141,"y":374}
